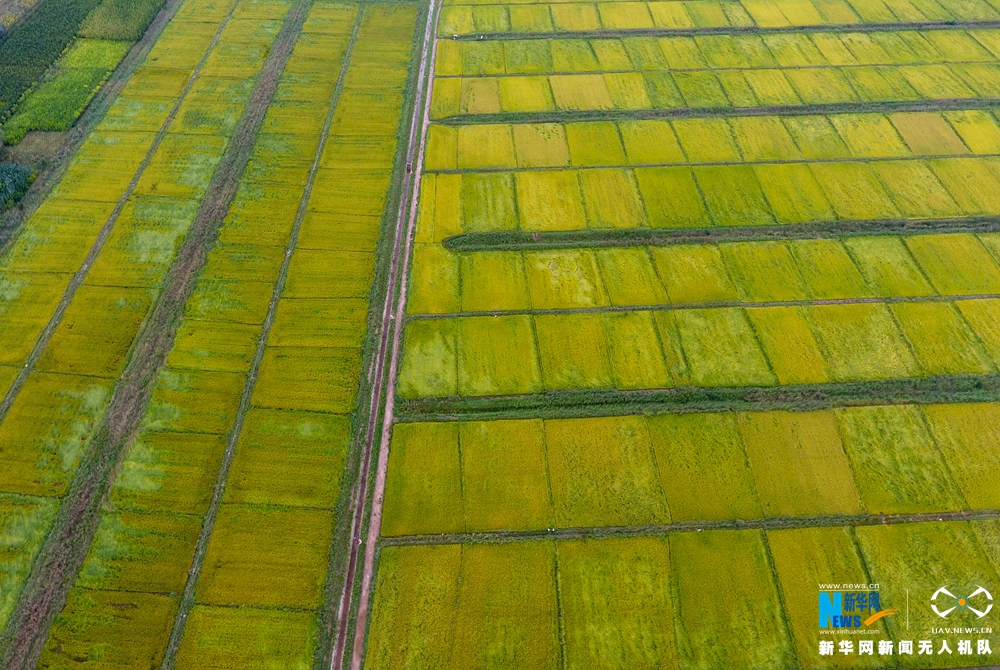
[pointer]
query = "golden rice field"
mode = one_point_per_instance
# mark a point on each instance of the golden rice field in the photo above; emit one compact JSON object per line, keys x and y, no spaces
{"x":702,"y":294}
{"x":696,"y":315}
{"x":242,"y":446}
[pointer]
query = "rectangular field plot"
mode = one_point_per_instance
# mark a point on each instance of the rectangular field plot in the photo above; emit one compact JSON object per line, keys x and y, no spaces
{"x":735,"y":566}
{"x":925,"y":556}
{"x":804,"y":558}
{"x":517,"y":475}
{"x":703,"y":196}
{"x":699,"y":347}
{"x":24,"y":523}
{"x":753,"y":139}
{"x":298,"y":549}
{"x":226,"y":637}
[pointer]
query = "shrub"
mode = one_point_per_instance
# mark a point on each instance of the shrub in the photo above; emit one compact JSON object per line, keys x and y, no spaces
{"x":14,"y":181}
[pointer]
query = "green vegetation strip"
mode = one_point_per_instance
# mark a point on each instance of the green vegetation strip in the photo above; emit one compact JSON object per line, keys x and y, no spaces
{"x":772,"y":523}
{"x":734,"y":30}
{"x":298,"y":14}
{"x":73,"y":530}
{"x":943,"y":105}
{"x":711,"y":304}
{"x":35,"y":44}
{"x":630,"y":237}
{"x":556,"y":404}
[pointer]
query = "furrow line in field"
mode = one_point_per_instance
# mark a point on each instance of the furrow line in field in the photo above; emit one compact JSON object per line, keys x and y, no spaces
{"x":49,"y":177}
{"x":942,"y":105}
{"x":734,"y":30}
{"x":685,"y":306}
{"x":770,"y":523}
{"x":383,"y":390}
{"x":208,"y":525}
{"x":687,"y":400}
{"x":66,"y":546}
{"x":629,"y":237}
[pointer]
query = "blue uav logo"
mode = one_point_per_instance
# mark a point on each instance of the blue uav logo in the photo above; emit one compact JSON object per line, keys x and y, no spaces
{"x":844,"y":609}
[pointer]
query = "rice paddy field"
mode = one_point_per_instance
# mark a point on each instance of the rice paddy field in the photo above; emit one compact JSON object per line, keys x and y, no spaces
{"x":475,"y":334}
{"x":701,"y":313}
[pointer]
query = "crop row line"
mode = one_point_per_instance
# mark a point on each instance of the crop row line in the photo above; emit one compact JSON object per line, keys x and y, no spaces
{"x":769,"y":523}
{"x":631,"y":237}
{"x":942,"y":105}
{"x":733,"y":30}
{"x":208,"y":525}
{"x":688,"y":400}
{"x":714,"y":304}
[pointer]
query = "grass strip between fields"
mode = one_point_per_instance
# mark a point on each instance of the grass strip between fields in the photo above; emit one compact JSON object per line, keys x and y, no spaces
{"x":569,"y":404}
{"x":733,"y":30}
{"x":67,"y":544}
{"x":630,"y":237}
{"x":943,"y":105}
{"x":684,"y":306}
{"x":201,"y":548}
{"x":769,"y":523}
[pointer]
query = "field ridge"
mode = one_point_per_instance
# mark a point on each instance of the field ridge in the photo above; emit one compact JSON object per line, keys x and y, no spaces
{"x":685,"y":400}
{"x":629,"y":237}
{"x":653,"y":530}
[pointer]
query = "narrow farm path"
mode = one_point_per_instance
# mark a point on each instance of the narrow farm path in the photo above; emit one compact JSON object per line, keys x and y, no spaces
{"x":771,"y":523}
{"x":569,"y":404}
{"x":383,"y":385}
{"x":66,"y":546}
{"x":684,"y":306}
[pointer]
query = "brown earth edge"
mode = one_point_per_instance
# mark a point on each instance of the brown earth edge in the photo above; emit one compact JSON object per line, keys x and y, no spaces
{"x":770,"y":523}
{"x":661,"y":237}
{"x":67,"y":544}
